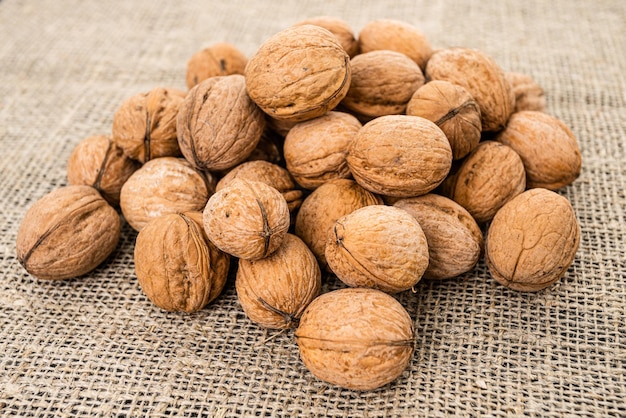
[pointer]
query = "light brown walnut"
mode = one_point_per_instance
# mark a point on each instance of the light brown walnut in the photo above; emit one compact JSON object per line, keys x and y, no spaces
{"x":218,"y":59}
{"x":338,"y":27}
{"x":528,"y":94}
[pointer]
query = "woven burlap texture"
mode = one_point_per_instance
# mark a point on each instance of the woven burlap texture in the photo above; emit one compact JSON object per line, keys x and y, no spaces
{"x":96,"y":346}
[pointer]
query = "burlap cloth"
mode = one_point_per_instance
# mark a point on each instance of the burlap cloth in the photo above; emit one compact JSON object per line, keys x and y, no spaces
{"x":96,"y":346}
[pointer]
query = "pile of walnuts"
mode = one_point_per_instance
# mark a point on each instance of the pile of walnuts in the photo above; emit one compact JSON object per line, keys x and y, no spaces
{"x":380,"y":160}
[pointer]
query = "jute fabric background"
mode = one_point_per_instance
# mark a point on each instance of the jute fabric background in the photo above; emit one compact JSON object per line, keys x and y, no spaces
{"x":96,"y":346}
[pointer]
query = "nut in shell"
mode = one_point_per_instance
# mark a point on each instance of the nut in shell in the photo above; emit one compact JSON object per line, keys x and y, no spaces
{"x":219,"y":59}
{"x":338,"y":27}
{"x":528,"y":94}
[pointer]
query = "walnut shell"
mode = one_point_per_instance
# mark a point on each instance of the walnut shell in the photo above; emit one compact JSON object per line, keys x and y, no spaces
{"x":218,"y":125}
{"x":219,"y":59}
{"x":528,"y":94}
{"x":177,"y":266}
{"x":356,"y":338}
{"x":96,"y":161}
{"x":381,"y":247}
{"x":547,"y":147}
{"x":482,"y":77}
{"x":453,"y":110}
{"x":396,"y":36}
{"x":382,"y":83}
{"x":532,"y":240}
{"x":144,"y":126}
{"x":268,"y":149}
{"x":268,"y":173}
{"x":299,"y":73}
{"x":489,"y":177}
{"x":455,"y":241}
{"x":338,"y":27}
{"x":247,"y":219}
{"x":275,"y":290}
{"x":67,"y":233}
{"x":400,"y":156}
{"x":324,"y":206}
{"x":161,"y":186}
{"x":315,"y":151}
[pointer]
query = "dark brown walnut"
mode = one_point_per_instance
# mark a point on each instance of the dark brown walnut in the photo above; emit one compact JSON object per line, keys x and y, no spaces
{"x":455,"y":241}
{"x":548,"y":149}
{"x":219,"y":59}
{"x":481,"y":76}
{"x":177,"y":266}
{"x":528,"y":94}
{"x":275,"y":290}
{"x":400,"y":156}
{"x":268,"y":173}
{"x":356,"y":338}
{"x":144,"y":126}
{"x":67,"y":233}
{"x":299,"y":73}
{"x":453,"y":110}
{"x":161,"y":186}
{"x":378,"y":246}
{"x":396,"y":36}
{"x":280,"y":127}
{"x":324,"y":206}
{"x":489,"y":177}
{"x":532,"y":240}
{"x":96,"y":161}
{"x":218,"y":125}
{"x":338,"y":27}
{"x":247,"y":219}
{"x":382,"y":83}
{"x":315,"y":151}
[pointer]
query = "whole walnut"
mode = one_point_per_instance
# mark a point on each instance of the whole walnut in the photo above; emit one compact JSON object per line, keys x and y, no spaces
{"x":161,"y":186}
{"x":324,"y":206}
{"x":381,"y":247}
{"x":455,"y":241}
{"x":275,"y":290}
{"x":218,"y":125}
{"x":453,"y":110}
{"x":299,"y":73}
{"x":356,"y":338}
{"x":67,"y":233}
{"x":532,"y":240}
{"x":382,"y":83}
{"x":144,"y":126}
{"x":481,"y":76}
{"x":400,"y":156}
{"x":396,"y":36}
{"x":219,"y":59}
{"x":247,"y":219}
{"x":548,"y":149}
{"x":96,"y":161}
{"x":528,"y":94}
{"x":177,"y":266}
{"x":338,"y":27}
{"x":491,"y":175}
{"x":315,"y":151}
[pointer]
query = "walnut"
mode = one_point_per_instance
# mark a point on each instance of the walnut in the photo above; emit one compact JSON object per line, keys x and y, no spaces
{"x":315,"y":151}
{"x":144,"y":126}
{"x":161,"y":186}
{"x":356,"y":338}
{"x":455,"y":241}
{"x":338,"y":27}
{"x":382,"y":83}
{"x":275,"y":290}
{"x":67,"y":233}
{"x":96,"y":161}
{"x":400,"y":156}
{"x":247,"y":219}
{"x":324,"y":206}
{"x":453,"y":110}
{"x":218,"y":125}
{"x":489,"y":177}
{"x":177,"y":266}
{"x":481,"y":76}
{"x":219,"y":59}
{"x":396,"y":36}
{"x":547,"y":147}
{"x":532,"y":240}
{"x":299,"y":73}
{"x":268,"y":149}
{"x":528,"y":94}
